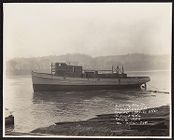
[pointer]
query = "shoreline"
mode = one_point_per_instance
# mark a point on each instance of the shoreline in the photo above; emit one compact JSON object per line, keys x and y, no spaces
{"x":151,"y":122}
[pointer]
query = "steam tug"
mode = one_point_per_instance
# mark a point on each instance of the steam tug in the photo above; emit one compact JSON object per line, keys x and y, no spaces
{"x":64,"y":77}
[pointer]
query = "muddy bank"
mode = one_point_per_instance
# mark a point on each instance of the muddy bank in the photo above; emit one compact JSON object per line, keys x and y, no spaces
{"x":147,"y":122}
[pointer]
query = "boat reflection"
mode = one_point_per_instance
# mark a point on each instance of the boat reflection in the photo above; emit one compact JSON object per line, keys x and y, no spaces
{"x":73,"y":96}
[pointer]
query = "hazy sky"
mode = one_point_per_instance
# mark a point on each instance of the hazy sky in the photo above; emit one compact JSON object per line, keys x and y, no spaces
{"x":94,"y":29}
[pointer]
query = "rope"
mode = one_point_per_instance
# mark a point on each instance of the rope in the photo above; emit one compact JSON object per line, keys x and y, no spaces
{"x":152,"y":86}
{"x":157,"y":90}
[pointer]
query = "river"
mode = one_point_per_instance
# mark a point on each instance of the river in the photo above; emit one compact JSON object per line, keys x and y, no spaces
{"x":32,"y":110}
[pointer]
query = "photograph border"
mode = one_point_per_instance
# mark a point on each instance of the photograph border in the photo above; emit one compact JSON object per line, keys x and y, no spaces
{"x":79,"y":1}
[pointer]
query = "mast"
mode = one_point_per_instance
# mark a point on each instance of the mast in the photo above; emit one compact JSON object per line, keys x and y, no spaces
{"x":52,"y":68}
{"x":117,"y":70}
{"x":112,"y":69}
{"x":122,"y":69}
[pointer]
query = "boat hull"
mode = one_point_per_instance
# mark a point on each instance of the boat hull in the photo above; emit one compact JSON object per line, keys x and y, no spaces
{"x":48,"y":82}
{"x":49,"y":87}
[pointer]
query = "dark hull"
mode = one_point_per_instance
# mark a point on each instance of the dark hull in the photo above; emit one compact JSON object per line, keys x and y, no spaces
{"x":51,"y":87}
{"x":9,"y":120}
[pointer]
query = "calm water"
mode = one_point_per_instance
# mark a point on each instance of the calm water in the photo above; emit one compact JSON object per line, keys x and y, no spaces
{"x":33,"y":110}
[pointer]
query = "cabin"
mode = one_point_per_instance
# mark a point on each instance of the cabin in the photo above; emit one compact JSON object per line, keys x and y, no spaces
{"x":62,"y":69}
{"x":90,"y":74}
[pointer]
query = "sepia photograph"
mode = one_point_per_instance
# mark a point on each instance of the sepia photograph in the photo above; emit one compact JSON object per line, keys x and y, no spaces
{"x":87,"y":70}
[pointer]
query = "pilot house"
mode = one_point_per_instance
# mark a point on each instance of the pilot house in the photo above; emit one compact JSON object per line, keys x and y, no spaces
{"x":62,"y":69}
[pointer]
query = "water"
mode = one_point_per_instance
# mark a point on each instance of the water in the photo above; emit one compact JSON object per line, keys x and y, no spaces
{"x":34,"y":110}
